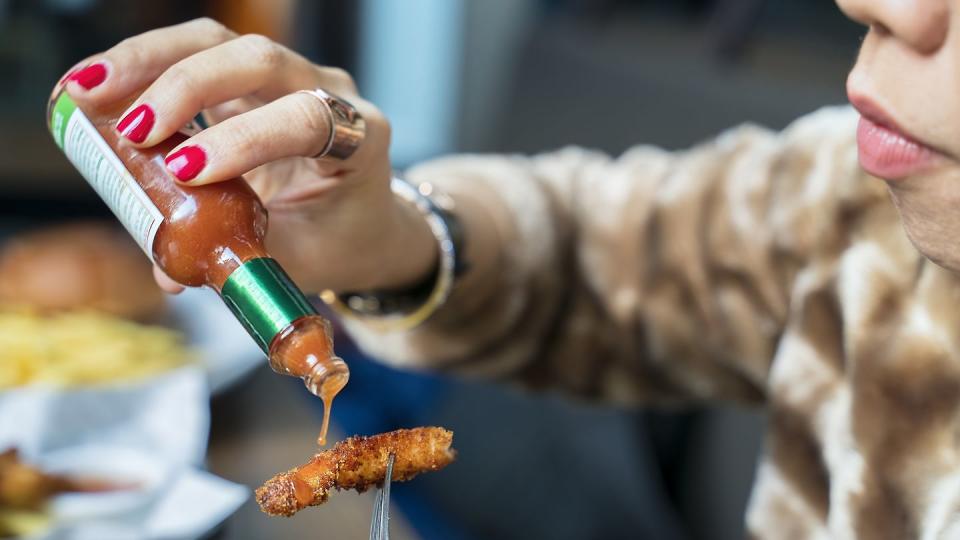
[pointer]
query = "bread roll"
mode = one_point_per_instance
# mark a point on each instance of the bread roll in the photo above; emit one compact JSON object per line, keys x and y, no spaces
{"x":84,"y":265}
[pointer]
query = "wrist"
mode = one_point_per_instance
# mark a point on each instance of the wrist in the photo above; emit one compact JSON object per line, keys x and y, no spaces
{"x":395,"y":308}
{"x":407,"y":252}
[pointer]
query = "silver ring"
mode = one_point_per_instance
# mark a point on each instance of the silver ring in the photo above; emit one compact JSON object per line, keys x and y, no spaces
{"x":347,"y":127}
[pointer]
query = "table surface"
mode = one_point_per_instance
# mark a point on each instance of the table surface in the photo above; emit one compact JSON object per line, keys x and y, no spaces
{"x":267,"y":424}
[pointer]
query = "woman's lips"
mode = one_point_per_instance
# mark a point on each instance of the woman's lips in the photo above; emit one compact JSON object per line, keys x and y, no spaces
{"x":885,"y":151}
{"x":889,"y":154}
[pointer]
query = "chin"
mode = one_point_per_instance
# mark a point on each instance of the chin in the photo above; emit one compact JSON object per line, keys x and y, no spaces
{"x":929,"y":206}
{"x":937,"y":252}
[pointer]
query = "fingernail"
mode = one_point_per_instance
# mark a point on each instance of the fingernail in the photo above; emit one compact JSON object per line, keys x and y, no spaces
{"x":90,"y":76}
{"x":68,"y":76}
{"x":136,"y":124}
{"x":187,"y":162}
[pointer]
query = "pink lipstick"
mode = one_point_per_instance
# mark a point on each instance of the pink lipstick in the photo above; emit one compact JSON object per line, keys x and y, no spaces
{"x":886,"y":151}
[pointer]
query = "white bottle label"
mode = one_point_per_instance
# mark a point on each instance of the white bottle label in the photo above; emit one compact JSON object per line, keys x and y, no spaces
{"x":104,"y":171}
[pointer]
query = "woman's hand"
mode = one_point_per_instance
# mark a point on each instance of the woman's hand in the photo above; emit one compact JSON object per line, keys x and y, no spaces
{"x":333,"y":224}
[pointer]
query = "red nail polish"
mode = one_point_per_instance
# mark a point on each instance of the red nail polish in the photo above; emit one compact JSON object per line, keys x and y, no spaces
{"x":187,"y":162}
{"x":90,"y":76}
{"x":67,"y":77}
{"x":136,"y":125}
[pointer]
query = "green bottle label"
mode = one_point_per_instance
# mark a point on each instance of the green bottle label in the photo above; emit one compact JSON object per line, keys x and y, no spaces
{"x":264,"y":299}
{"x":63,"y":111}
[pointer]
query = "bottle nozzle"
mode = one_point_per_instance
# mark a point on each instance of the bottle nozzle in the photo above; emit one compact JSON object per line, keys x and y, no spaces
{"x":326,"y":379}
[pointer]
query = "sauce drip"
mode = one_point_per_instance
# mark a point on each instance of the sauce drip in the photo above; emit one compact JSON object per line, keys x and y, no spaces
{"x":302,"y":491}
{"x":305,"y":350}
{"x":328,"y":390}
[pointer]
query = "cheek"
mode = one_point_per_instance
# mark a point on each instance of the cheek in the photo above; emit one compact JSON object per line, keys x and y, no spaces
{"x":942,"y":97}
{"x":933,"y":85}
{"x":922,"y":91}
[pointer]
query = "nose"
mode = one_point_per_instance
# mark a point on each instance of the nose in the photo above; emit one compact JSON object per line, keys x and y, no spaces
{"x":921,"y":24}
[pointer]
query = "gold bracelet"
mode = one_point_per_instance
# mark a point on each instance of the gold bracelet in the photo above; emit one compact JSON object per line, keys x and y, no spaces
{"x":419,"y":198}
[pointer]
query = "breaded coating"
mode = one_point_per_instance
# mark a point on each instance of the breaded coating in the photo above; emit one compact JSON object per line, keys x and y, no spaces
{"x":357,"y":463}
{"x":25,"y":487}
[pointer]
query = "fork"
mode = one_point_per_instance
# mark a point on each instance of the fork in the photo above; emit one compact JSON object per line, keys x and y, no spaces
{"x":380,"y":521}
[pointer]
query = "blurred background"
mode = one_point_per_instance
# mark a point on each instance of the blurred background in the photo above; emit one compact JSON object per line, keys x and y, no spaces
{"x":475,"y":76}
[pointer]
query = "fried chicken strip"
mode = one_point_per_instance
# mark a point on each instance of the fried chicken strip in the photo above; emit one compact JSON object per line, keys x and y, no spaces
{"x":23,"y":486}
{"x":357,"y":463}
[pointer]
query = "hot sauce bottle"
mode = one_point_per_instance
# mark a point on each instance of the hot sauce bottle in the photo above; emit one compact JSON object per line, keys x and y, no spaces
{"x":210,"y":236}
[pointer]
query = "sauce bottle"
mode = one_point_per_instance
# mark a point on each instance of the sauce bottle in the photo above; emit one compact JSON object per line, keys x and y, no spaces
{"x":209,"y":236}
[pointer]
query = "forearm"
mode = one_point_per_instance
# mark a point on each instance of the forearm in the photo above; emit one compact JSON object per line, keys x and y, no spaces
{"x":656,"y":276}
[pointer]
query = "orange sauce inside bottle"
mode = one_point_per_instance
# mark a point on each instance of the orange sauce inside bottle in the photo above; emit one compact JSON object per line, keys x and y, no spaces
{"x":305,"y":349}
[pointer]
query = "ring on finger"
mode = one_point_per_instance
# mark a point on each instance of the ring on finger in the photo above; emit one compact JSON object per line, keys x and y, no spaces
{"x":347,"y":126}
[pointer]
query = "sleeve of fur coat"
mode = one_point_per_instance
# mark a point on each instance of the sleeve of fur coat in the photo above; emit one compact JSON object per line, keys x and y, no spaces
{"x":655,"y":276}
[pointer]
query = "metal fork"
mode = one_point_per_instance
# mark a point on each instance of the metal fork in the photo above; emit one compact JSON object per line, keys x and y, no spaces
{"x":380,"y":521}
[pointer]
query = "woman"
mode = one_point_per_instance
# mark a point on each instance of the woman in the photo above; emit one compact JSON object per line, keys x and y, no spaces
{"x":759,"y":267}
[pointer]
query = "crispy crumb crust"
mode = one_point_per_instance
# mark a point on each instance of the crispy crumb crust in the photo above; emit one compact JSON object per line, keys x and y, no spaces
{"x":356,"y":463}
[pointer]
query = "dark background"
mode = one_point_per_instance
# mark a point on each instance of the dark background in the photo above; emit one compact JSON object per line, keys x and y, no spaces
{"x":484,"y":75}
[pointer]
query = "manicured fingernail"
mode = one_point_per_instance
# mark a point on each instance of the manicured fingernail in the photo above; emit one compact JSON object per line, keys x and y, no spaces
{"x":136,"y":124}
{"x":67,"y":77}
{"x":90,"y":76}
{"x":187,"y":162}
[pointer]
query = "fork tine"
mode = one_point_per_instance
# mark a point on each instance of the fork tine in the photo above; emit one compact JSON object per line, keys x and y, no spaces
{"x":375,"y":525}
{"x":388,"y":478}
{"x":380,"y":521}
{"x":385,"y":509}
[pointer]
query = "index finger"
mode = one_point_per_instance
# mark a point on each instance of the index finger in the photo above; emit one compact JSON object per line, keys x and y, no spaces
{"x":135,"y":62}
